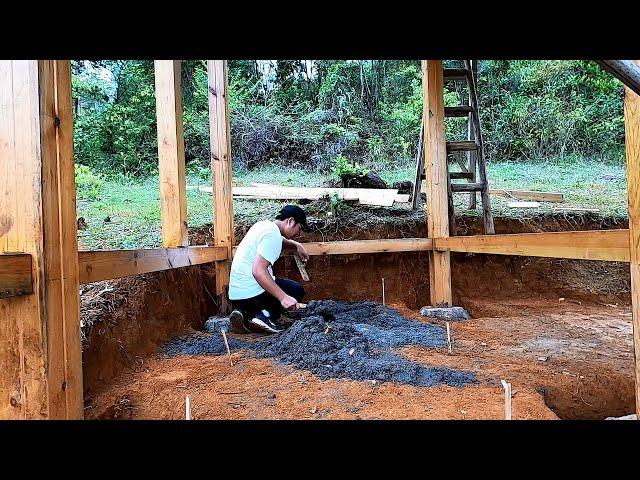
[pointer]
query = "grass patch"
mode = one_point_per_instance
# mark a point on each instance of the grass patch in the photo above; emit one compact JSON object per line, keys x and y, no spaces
{"x":133,"y":208}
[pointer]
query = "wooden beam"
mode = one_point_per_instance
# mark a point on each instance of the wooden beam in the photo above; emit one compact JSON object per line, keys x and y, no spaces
{"x":62,"y":301}
{"x":98,"y":265}
{"x":40,"y":358}
{"x":366,"y":246}
{"x":22,"y":366}
{"x":632,"y":152}
{"x":15,"y":274}
{"x":173,"y":198}
{"x":221,"y":170}
{"x":529,"y":195}
{"x":627,"y":71}
{"x":608,"y":245}
{"x":523,"y":194}
{"x":366,"y":196}
{"x":435,"y":164}
{"x":363,"y":246}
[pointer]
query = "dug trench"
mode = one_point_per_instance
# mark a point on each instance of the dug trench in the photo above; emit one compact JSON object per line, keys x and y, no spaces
{"x":558,"y":330}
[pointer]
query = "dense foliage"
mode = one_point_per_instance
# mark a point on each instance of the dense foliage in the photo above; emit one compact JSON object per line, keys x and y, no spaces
{"x":312,"y":112}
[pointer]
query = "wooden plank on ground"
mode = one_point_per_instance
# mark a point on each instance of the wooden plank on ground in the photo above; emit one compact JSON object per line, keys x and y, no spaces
{"x":15,"y":274}
{"x":173,"y":199}
{"x":632,"y":152}
{"x":366,"y":196}
{"x":221,"y":169}
{"x":608,"y":245}
{"x":436,"y":175}
{"x":553,"y":197}
{"x":98,"y":265}
{"x":523,"y":204}
{"x":528,"y":195}
{"x":576,"y":209}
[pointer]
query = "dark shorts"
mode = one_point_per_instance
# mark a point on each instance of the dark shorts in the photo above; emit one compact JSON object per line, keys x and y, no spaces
{"x":265,"y":301}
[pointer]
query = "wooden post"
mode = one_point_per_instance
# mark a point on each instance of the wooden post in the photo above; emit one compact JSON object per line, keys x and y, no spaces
{"x":221,"y":169}
{"x":507,"y":399}
{"x":173,"y":197}
{"x":40,"y":354}
{"x":435,"y":166}
{"x":632,"y":151}
{"x":472,"y":156}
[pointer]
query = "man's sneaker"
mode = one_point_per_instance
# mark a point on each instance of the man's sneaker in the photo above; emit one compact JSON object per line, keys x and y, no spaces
{"x":261,"y":323}
{"x":237,"y":322}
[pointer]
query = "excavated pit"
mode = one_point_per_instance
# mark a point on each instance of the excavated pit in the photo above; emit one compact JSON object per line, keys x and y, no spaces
{"x":561,"y":327}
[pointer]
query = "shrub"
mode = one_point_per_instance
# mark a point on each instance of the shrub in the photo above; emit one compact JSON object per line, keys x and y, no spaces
{"x":88,"y":183}
{"x":346,"y":170}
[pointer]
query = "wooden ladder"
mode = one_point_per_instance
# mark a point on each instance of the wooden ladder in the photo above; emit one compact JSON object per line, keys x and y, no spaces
{"x":474,"y":169}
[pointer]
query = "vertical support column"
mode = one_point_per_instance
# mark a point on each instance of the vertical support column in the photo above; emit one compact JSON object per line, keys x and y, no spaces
{"x":221,"y":169}
{"x":62,"y":302}
{"x":173,"y":198}
{"x":435,"y":166}
{"x":40,"y":351}
{"x":632,"y":151}
{"x":472,"y":156}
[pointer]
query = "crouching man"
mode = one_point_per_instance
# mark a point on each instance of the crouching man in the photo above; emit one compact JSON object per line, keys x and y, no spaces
{"x":257,"y":297}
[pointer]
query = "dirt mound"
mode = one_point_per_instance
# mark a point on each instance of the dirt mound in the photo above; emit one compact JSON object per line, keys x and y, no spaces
{"x":341,"y":340}
{"x":199,"y":343}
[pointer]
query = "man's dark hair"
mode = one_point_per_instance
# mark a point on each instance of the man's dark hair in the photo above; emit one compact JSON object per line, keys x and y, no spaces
{"x":295,"y":212}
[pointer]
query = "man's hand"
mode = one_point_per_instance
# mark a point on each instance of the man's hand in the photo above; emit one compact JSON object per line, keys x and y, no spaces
{"x":302,"y":253}
{"x":289,"y":303}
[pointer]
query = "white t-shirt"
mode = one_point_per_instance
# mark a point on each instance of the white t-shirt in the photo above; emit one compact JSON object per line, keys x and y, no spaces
{"x":263,"y":238}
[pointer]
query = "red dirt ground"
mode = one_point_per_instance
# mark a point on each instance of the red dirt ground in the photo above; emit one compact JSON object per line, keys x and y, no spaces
{"x":558,"y":330}
{"x":587,"y":371}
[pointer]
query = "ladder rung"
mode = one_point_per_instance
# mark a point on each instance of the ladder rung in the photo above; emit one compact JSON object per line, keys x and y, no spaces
{"x":458,"y":111}
{"x":461,"y":146}
{"x":453,"y":74}
{"x":466,"y":187}
{"x":460,"y":175}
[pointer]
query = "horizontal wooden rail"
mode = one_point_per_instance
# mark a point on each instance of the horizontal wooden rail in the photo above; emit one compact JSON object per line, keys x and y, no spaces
{"x":368,"y":246}
{"x":15,"y":274}
{"x":98,"y":265}
{"x":363,"y":246}
{"x":609,"y":245}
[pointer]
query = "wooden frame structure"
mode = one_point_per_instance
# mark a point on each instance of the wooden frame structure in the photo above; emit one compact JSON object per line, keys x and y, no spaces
{"x":41,"y":268}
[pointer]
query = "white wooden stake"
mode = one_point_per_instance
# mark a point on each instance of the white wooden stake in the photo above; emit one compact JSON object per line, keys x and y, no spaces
{"x":383,"y":302}
{"x":224,"y":336}
{"x":187,"y":407}
{"x":448,"y":337}
{"x":507,"y":399}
